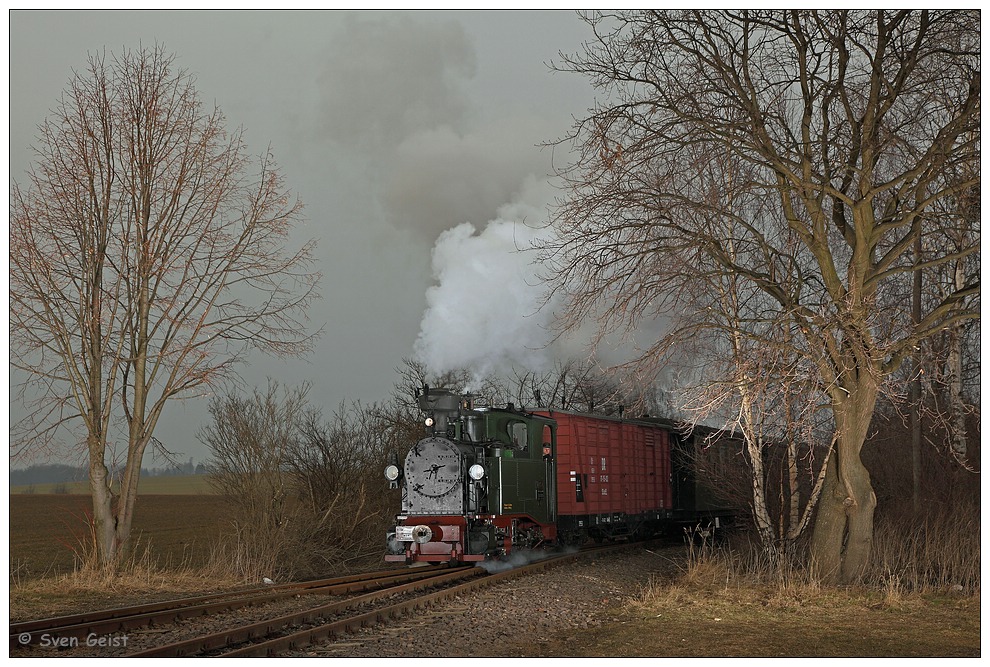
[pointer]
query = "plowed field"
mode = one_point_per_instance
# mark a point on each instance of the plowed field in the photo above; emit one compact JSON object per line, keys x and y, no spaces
{"x":47,"y":531}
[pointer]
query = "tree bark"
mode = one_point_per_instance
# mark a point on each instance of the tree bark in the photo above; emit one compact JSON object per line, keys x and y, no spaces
{"x":830,"y":527}
{"x":957,"y":406}
{"x":843,"y":534}
{"x":104,"y":521}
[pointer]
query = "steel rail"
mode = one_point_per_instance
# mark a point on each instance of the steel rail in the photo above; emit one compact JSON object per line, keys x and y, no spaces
{"x":126,"y":618}
{"x":338,"y":628}
{"x":268,"y":627}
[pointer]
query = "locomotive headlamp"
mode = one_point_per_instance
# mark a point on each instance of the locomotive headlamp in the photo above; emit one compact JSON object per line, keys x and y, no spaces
{"x":392,"y":473}
{"x":476,"y":472}
{"x":429,"y":421}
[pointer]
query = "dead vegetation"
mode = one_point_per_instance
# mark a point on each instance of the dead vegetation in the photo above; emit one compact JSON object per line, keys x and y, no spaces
{"x":145,"y":579}
{"x":714,"y":608}
{"x":304,"y":493}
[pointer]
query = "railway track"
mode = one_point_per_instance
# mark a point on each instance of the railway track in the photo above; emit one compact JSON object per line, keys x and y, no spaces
{"x":66,"y":631}
{"x":362,"y":601}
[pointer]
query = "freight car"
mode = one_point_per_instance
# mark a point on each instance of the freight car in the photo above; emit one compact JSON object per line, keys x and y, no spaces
{"x":485,"y":482}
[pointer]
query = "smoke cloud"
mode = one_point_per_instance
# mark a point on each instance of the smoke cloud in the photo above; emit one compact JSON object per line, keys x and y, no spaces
{"x":396,"y":109}
{"x":441,"y":177}
{"x":388,"y":77}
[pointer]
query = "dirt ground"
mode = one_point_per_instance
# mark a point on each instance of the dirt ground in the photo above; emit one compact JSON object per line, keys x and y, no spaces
{"x":47,"y":531}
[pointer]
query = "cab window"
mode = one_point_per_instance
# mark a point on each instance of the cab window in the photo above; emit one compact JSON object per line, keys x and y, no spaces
{"x":519,"y":434}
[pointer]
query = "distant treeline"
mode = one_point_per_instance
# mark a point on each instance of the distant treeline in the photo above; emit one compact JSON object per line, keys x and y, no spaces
{"x":53,"y":473}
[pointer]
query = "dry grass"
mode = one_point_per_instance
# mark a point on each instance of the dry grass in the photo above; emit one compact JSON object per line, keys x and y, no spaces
{"x":710,"y":609}
{"x":938,"y":552}
{"x":52,"y":571}
{"x":922,"y":597}
{"x":87,"y":590}
{"x":733,"y":603}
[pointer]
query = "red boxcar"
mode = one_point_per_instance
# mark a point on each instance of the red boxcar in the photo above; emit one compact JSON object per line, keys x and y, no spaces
{"x":613,"y":476}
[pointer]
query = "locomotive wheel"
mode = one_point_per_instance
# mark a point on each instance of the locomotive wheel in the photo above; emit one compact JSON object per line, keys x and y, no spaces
{"x":574,"y":538}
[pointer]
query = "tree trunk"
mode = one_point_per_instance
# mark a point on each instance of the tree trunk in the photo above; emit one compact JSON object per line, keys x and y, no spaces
{"x":754,"y":450}
{"x":915,"y":396}
{"x":794,"y":524}
{"x":843,"y":535}
{"x":957,"y":406}
{"x":126,"y":504}
{"x":761,"y":515}
{"x":830,"y":528}
{"x":104,"y":521}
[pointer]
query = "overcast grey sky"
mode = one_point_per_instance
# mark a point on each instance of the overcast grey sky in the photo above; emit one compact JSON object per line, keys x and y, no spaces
{"x":392,"y":127}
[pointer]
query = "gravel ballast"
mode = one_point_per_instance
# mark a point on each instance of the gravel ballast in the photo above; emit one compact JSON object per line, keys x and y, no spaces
{"x":514,"y":618}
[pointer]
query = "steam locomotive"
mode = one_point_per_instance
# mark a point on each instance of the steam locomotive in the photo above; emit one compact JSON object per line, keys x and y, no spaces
{"x":485,"y":482}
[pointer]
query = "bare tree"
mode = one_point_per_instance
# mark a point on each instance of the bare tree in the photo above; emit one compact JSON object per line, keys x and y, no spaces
{"x":337,"y":468}
{"x":305,"y":493}
{"x":950,"y":350}
{"x":571,"y":384}
{"x":252,"y":441}
{"x":755,"y":381}
{"x":850,"y":132}
{"x":148,"y":256}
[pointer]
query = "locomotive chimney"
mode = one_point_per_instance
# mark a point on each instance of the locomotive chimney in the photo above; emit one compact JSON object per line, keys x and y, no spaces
{"x":441,"y":407}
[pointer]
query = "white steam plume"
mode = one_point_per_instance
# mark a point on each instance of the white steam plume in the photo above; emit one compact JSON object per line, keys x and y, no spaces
{"x":487,"y":309}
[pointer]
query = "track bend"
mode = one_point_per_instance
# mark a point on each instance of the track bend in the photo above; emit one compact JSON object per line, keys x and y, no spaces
{"x":70,"y":629}
{"x":283,"y":621}
{"x":267,"y":636}
{"x":334,"y":621}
